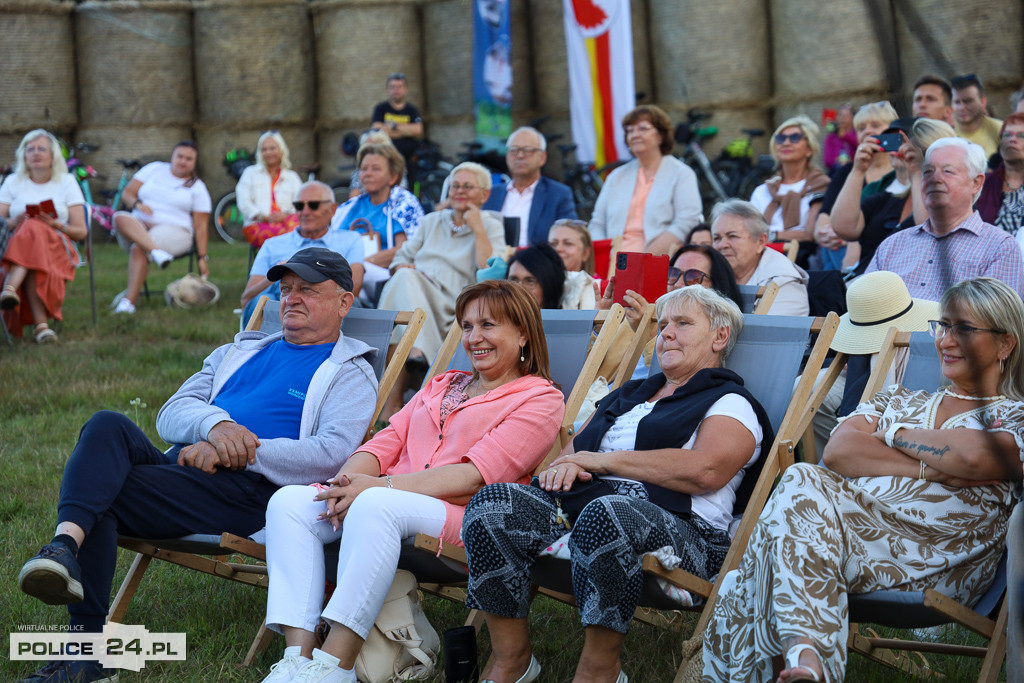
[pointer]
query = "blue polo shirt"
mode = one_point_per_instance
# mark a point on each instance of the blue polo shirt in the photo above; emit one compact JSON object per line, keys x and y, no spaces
{"x":266,"y":394}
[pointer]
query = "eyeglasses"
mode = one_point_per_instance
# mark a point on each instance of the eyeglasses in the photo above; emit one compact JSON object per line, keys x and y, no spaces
{"x":528,"y":282}
{"x":1009,"y":135}
{"x":313,"y":204}
{"x":690,"y":277}
{"x":639,"y":128}
{"x":793,"y":138}
{"x":525,"y":151}
{"x":960,"y":331}
{"x":456,"y":187}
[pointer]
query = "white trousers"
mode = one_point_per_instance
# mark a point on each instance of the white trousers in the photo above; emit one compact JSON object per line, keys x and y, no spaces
{"x":371,"y":539}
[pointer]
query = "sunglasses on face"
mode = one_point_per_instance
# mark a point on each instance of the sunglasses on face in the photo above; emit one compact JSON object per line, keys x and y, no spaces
{"x":690,"y":277}
{"x":793,"y":138}
{"x":313,"y":204}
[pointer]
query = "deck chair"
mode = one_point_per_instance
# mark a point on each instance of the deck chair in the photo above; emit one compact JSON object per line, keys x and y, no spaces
{"x":786,"y":339}
{"x":206,"y":552}
{"x":921,"y":609}
{"x":758,"y":299}
{"x":191,"y":254}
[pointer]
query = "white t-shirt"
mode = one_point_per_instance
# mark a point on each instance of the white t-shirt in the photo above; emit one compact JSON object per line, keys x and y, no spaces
{"x":171,"y":200}
{"x":761,"y":198}
{"x":714,"y":507}
{"x":19,"y":192}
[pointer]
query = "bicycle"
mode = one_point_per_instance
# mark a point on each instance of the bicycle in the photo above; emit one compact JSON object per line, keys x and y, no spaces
{"x":584,"y":179}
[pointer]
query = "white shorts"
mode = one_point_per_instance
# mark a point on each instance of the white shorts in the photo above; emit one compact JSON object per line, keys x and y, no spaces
{"x":174,"y":239}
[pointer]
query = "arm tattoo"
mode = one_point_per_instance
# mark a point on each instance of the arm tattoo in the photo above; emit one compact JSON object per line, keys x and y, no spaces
{"x":919,"y":448}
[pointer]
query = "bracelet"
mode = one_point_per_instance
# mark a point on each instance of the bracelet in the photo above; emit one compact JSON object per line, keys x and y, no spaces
{"x":388,"y":478}
{"x":924,"y":466}
{"x":890,"y":434}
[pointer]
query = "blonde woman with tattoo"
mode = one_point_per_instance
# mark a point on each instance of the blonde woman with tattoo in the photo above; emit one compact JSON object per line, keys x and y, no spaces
{"x":918,"y":492}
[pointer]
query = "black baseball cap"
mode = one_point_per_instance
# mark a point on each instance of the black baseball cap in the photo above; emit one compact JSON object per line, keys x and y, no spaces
{"x":315,"y":264}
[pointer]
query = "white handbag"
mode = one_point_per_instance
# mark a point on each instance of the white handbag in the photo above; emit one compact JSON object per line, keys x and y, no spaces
{"x":402,"y":645}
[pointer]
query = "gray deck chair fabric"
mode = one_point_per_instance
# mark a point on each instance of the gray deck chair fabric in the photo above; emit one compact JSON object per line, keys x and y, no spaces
{"x":370,"y":325}
{"x":568,"y":337}
{"x":748,"y":295}
{"x":768,"y":355}
{"x":924,"y":372}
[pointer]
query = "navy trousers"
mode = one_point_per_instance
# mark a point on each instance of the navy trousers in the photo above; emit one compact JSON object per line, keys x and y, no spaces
{"x":117,"y":483}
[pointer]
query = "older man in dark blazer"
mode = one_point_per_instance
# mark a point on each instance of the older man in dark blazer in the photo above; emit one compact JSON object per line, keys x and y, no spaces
{"x":537,"y":201}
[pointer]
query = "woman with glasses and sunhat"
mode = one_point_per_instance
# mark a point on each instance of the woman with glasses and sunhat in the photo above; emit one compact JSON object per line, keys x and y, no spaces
{"x":916,"y":493}
{"x":785,"y":199}
{"x":653,"y":200}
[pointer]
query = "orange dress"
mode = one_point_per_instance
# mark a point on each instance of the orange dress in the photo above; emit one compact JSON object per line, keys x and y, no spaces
{"x":51,"y":255}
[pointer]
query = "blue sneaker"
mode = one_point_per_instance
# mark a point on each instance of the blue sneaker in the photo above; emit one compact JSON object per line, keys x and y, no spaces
{"x":52,"y":576}
{"x":72,"y":672}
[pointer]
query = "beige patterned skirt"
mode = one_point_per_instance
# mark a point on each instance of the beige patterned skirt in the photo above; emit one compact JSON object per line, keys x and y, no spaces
{"x":822,"y":536}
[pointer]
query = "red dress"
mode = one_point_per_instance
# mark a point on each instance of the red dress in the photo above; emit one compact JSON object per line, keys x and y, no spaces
{"x":51,"y":255}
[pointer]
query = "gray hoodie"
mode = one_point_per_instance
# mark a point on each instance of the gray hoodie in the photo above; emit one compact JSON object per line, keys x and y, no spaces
{"x":341,"y":399}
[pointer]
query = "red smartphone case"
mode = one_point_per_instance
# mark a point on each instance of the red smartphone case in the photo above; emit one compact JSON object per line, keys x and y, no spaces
{"x":644,"y":273}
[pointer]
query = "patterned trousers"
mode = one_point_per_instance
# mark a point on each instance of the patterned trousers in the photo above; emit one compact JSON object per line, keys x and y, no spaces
{"x":508,"y":525}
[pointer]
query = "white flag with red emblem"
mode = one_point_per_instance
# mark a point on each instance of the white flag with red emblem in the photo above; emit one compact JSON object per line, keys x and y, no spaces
{"x":599,"y":40}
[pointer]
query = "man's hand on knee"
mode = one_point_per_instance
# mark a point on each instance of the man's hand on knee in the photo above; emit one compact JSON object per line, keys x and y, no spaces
{"x":201,"y":455}
{"x":236,"y":445}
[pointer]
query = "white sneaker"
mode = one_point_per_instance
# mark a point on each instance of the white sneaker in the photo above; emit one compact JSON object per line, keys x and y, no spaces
{"x":125,"y":306}
{"x":323,"y":669}
{"x":160,"y":257}
{"x":284,"y":671}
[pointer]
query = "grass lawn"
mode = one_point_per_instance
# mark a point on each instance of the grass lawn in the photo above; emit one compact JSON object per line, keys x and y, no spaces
{"x":132,"y":364}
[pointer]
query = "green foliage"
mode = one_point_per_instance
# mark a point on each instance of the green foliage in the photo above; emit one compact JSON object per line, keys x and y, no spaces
{"x":132,"y":364}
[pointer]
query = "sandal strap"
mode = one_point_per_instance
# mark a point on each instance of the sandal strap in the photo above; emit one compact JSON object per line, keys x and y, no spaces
{"x":793,"y":660}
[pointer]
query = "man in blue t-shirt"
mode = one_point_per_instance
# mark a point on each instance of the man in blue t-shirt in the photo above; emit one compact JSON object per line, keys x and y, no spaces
{"x":315,"y":204}
{"x":266,"y":411}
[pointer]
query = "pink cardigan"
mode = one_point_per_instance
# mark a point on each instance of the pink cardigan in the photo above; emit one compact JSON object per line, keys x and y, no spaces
{"x":505,"y":433}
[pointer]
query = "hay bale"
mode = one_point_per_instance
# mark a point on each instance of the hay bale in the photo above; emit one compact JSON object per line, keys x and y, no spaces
{"x":215,"y":142}
{"x":38,"y":82}
{"x":254,"y":62}
{"x":335,"y":166}
{"x":448,"y":47}
{"x":135,"y":62}
{"x":643,"y":78}
{"x":550,"y":62}
{"x":834,"y":52}
{"x":357,"y":45}
{"x":145,"y":143}
{"x":729,"y":66}
{"x":948,"y":38}
{"x":522,"y":76}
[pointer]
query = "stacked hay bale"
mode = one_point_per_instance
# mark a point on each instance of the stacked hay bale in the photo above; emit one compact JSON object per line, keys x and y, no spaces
{"x":448,"y":67}
{"x":950,"y":39}
{"x":254,"y":72}
{"x":135,"y":80}
{"x":727,"y":75}
{"x":358,"y":43}
{"x":38,"y":79}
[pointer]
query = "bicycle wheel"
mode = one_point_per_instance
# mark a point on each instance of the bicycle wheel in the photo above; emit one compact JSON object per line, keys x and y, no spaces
{"x":227,"y":219}
{"x":585,"y":189}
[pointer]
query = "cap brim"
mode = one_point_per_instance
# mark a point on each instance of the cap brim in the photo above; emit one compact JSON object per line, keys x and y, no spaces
{"x":307,"y":273}
{"x":866,"y":339}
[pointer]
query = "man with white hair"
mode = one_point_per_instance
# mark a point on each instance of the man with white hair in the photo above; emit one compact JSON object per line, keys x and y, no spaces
{"x":953,"y":244}
{"x":535,"y":200}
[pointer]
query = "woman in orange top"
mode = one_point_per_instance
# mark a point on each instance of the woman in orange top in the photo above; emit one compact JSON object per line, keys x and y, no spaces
{"x":462,"y":431}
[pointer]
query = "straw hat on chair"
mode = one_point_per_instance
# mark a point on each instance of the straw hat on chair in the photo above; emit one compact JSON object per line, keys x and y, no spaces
{"x":875,"y":302}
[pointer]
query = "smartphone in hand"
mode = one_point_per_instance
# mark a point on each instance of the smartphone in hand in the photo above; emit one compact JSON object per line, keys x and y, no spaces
{"x":643,"y":273}
{"x":890,"y":142}
{"x":46,"y":206}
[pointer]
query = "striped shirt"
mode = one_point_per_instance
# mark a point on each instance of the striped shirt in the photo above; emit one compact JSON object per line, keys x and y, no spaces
{"x":930,"y":263}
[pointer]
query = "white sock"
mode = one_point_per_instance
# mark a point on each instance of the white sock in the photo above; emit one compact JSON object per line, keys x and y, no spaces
{"x":339,"y":675}
{"x":295,"y":651}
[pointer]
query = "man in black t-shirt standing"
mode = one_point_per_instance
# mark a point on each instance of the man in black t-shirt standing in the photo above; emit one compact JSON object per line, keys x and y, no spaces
{"x":400,"y":119}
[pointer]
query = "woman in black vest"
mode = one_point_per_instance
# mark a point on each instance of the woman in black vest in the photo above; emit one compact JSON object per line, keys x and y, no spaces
{"x":692,"y":428}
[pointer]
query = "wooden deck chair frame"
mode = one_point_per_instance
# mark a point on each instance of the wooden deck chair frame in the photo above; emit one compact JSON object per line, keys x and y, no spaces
{"x":892,"y":652}
{"x":205,"y":555}
{"x":792,"y":249}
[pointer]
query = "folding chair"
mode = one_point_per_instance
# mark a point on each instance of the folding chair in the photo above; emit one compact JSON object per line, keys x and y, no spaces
{"x":371,"y":326}
{"x":758,"y":299}
{"x":191,"y":254}
{"x":785,"y":339}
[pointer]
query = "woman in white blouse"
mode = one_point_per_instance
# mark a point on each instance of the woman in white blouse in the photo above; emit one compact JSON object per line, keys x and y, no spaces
{"x":266,"y":190}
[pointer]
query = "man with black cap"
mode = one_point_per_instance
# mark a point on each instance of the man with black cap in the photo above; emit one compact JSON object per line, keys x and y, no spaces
{"x":265,"y":411}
